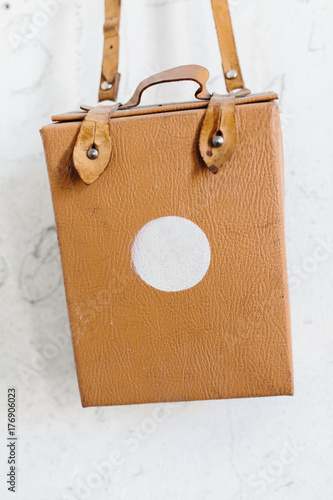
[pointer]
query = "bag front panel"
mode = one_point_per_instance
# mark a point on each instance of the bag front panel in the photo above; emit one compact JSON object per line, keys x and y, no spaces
{"x":219,"y":326}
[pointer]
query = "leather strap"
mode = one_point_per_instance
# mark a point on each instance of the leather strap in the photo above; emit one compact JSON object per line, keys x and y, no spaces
{"x":225,"y":33}
{"x":110,"y":76}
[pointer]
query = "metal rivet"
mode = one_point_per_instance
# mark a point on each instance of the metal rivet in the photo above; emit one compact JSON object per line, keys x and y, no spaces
{"x":106,"y":86}
{"x":93,"y":154}
{"x":231,"y":74}
{"x":217,"y":141}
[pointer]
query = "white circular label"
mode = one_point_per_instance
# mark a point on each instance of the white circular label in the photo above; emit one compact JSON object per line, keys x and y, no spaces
{"x":171,"y":254}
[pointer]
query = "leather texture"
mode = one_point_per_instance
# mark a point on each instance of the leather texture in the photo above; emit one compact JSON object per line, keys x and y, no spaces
{"x":220,"y":120}
{"x":111,"y":51}
{"x":227,"y":44}
{"x":163,"y":108}
{"x":226,"y":40}
{"x":94,"y":133}
{"x":95,"y":130}
{"x":228,"y":336}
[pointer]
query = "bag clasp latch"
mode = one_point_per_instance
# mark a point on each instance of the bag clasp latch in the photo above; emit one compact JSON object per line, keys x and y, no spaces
{"x":218,"y":136}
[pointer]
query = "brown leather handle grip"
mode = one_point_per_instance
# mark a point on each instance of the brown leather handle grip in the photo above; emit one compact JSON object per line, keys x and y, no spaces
{"x":194,"y":73}
{"x":110,"y":77}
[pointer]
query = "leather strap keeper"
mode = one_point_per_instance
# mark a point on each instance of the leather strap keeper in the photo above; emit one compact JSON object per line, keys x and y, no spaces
{"x":94,"y":133}
{"x":220,"y":122}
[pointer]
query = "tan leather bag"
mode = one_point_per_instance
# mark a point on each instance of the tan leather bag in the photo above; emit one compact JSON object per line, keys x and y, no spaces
{"x":171,"y":233}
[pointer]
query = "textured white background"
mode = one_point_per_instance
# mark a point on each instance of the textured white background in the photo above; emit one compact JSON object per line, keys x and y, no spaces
{"x":272,"y":449}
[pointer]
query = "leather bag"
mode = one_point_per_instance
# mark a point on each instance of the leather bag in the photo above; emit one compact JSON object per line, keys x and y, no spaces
{"x":171,"y":233}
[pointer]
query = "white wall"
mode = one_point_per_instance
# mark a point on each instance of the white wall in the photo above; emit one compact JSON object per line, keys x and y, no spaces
{"x":272,"y":449}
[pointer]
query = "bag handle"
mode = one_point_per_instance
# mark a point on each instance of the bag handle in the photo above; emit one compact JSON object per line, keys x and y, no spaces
{"x":110,"y":77}
{"x":194,"y":73}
